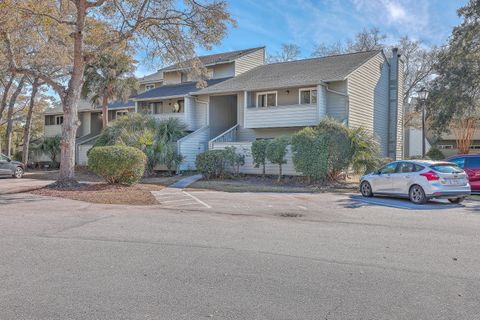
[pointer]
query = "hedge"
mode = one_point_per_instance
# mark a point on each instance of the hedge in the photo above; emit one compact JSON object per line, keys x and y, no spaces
{"x":117,"y":164}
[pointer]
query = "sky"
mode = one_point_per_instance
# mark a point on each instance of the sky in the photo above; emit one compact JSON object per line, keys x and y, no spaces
{"x":306,"y":23}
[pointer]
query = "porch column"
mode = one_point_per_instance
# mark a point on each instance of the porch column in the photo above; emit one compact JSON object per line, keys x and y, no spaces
{"x":245,"y":106}
{"x":136,"y":106}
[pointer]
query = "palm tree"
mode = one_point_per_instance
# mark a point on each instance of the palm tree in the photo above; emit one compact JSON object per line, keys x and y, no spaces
{"x":109,"y":78}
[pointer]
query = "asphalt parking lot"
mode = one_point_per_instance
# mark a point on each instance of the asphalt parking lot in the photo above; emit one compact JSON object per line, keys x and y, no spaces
{"x":239,"y":256}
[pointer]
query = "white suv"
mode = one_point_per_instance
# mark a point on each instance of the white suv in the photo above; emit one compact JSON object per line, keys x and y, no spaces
{"x":418,"y":180}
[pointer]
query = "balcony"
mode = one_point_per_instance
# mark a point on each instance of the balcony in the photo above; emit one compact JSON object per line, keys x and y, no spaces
{"x":170,"y":115}
{"x":297,"y":115}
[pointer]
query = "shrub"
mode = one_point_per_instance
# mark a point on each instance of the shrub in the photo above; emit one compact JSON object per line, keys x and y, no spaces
{"x":337,"y":140}
{"x":234,"y":159}
{"x":211,"y":163}
{"x":276,"y":152}
{"x":146,"y":133}
{"x":365,"y":151}
{"x":435,"y":154}
{"x":259,"y":153}
{"x":172,"y":159}
{"x":117,"y":164}
{"x":310,"y":153}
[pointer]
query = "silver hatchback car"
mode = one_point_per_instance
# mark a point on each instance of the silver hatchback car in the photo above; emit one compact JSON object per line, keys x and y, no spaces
{"x":418,"y":180}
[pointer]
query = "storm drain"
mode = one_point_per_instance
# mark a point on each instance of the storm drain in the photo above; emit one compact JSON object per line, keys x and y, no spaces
{"x":290,"y":215}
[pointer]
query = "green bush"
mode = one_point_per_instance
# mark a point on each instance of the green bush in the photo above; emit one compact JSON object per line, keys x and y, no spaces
{"x":435,"y":154}
{"x":211,"y":163}
{"x":337,"y":139}
{"x":146,"y":133}
{"x":310,"y":153}
{"x":117,"y":163}
{"x":276,"y":152}
{"x":365,"y":151}
{"x":234,"y":159}
{"x":259,"y":153}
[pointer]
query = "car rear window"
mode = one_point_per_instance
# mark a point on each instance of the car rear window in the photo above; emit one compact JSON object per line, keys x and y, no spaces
{"x":446,"y":168}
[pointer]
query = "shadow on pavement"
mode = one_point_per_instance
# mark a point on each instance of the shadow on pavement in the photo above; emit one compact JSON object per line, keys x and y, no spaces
{"x":12,"y":199}
{"x":357,"y":201}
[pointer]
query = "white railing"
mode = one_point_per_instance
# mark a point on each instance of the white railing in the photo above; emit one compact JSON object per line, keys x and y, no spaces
{"x":228,"y":136}
{"x":281,"y":116}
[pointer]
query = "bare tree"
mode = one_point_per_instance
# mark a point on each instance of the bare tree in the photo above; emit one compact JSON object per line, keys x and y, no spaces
{"x":75,"y":32}
{"x":288,"y":52}
{"x":366,"y":40}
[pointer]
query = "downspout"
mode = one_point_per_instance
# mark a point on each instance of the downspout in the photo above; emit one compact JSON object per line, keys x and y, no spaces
{"x":347,"y":98}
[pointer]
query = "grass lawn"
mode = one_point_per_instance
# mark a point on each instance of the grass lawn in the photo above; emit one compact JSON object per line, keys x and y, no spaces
{"x":270,"y":184}
{"x":138,"y":194}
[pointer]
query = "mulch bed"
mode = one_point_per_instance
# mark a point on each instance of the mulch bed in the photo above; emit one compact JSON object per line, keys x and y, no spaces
{"x":138,"y":194}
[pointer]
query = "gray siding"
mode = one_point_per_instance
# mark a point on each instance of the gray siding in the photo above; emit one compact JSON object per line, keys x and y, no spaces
{"x":249,"y":61}
{"x":223,"y":70}
{"x":249,"y":168}
{"x":222,"y":114}
{"x":368,"y":94}
{"x":191,"y":145}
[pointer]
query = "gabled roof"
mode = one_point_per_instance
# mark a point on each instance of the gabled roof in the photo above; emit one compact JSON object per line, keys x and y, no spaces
{"x":154,"y":77}
{"x":305,"y":72}
{"x":174,"y":90}
{"x":217,"y":58}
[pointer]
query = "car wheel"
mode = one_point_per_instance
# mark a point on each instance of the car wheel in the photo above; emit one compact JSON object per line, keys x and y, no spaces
{"x":456,"y":200}
{"x":366,"y":189}
{"x":18,"y":172}
{"x":417,"y":195}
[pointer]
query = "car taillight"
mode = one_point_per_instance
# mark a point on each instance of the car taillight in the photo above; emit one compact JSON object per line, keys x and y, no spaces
{"x":430,"y":175}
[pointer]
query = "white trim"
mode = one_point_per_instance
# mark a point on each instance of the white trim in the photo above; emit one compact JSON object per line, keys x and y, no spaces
{"x":306,"y":89}
{"x":266,"y":93}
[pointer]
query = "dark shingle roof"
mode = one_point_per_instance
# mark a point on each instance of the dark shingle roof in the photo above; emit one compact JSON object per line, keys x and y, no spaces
{"x":294,"y":73}
{"x":175,"y":90}
{"x":121,"y":104}
{"x":215,"y":58}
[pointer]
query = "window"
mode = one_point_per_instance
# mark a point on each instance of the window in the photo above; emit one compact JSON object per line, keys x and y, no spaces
{"x":446,"y":168}
{"x":49,"y":120}
{"x":473,"y":162}
{"x":307,"y":96}
{"x":459,"y":162}
{"x":445,"y":146}
{"x":121,"y":113}
{"x":3,"y":157}
{"x":475,"y":147}
{"x":184,"y":77}
{"x":389,"y":168}
{"x":406,"y":167}
{"x":59,"y":120}
{"x":149,"y":87}
{"x":267,"y":99}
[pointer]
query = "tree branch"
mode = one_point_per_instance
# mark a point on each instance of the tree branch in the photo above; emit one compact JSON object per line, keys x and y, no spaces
{"x":97,"y":3}
{"x":60,"y":21}
{"x":33,"y":73}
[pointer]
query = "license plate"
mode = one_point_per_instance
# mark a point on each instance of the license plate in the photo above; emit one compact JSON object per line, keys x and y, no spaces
{"x":453,"y":181}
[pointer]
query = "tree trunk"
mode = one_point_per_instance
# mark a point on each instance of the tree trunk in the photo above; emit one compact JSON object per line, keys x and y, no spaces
{"x":66,"y":176}
{"x":28,"y":123}
{"x":280,"y":173}
{"x":3,"y":103}
{"x":263,"y":170}
{"x":104,"y":111}
{"x":11,"y":107}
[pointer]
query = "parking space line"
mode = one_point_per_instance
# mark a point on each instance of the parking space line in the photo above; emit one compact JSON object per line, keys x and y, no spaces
{"x":198,"y":200}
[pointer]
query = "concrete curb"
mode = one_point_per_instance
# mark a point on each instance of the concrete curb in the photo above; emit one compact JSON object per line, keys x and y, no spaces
{"x":185,"y":182}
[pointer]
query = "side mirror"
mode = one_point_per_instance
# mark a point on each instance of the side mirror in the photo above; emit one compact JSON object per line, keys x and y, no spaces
{"x":9,"y":160}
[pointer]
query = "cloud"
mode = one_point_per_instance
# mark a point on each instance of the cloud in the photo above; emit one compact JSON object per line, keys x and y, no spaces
{"x":396,"y":11}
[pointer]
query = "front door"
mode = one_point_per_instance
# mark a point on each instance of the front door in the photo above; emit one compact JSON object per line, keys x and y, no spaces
{"x":382,"y":182}
{"x":403,"y":178}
